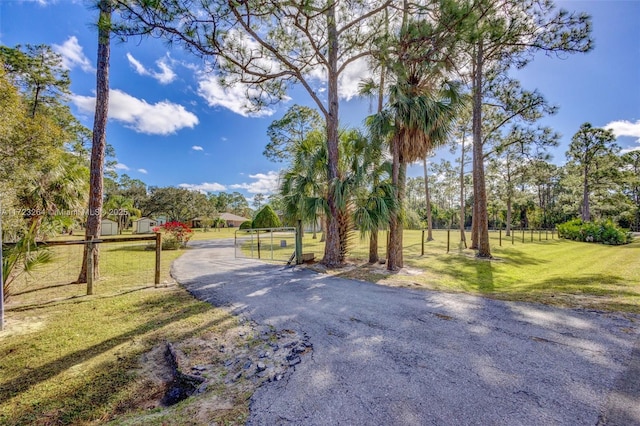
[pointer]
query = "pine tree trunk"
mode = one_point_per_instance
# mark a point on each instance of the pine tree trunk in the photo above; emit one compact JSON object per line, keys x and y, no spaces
{"x":586,"y":214}
{"x":427,"y":197}
{"x":99,"y":139}
{"x":332,"y":244}
{"x":463,"y":237}
{"x":481,"y":218}
{"x":374,"y":257}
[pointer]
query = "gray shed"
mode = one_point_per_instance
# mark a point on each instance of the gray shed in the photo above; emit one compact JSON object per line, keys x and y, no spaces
{"x":144,"y":225}
{"x":108,"y":227}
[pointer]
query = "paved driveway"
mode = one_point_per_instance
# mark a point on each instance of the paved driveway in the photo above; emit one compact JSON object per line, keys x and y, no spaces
{"x":391,"y":356}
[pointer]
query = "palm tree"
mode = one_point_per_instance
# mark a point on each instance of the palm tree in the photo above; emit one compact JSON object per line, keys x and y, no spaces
{"x":55,"y":188}
{"x":415,"y":121}
{"x":121,"y":209}
{"x":306,"y":187}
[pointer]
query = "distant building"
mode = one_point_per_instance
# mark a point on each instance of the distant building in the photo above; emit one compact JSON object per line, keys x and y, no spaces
{"x":108,"y":227}
{"x":232,"y":220}
{"x":144,"y":225}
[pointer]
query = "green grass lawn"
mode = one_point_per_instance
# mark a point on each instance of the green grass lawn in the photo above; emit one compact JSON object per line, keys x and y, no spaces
{"x":67,"y":358}
{"x":552,"y":271}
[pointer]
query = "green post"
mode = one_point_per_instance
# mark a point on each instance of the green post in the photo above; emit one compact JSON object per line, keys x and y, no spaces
{"x":299,"y":242}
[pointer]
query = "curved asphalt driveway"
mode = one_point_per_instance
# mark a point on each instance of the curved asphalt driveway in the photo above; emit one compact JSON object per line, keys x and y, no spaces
{"x":392,"y":356}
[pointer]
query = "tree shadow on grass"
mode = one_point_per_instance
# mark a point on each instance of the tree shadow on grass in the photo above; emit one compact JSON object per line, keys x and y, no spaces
{"x":16,"y":386}
{"x":592,"y":284}
{"x":477,"y":274}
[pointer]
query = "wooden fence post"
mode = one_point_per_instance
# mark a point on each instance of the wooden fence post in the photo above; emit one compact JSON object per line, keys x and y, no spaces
{"x":448,"y":239}
{"x":500,"y":237}
{"x":90,"y":265}
{"x":299,"y":242}
{"x":156,"y":279}
{"x":258,"y":235}
{"x":422,"y":241}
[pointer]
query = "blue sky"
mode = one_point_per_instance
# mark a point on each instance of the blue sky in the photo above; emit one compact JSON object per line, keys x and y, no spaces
{"x":172,"y":125}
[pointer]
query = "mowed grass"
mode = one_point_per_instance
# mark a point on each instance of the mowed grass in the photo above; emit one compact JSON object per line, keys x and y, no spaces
{"x":547,"y":269}
{"x":67,"y":358}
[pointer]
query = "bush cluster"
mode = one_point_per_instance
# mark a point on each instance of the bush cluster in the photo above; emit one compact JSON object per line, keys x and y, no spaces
{"x":605,"y":232}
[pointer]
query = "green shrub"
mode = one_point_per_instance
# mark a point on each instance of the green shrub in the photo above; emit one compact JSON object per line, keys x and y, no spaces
{"x":246,"y":225}
{"x":267,"y":218}
{"x":605,"y":232}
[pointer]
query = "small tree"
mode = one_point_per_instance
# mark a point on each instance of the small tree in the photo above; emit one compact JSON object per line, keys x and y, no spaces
{"x":592,"y":151}
{"x":267,"y":218}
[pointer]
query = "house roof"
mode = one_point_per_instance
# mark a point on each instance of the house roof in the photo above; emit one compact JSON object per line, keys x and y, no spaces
{"x":145,"y":218}
{"x":233,"y":217}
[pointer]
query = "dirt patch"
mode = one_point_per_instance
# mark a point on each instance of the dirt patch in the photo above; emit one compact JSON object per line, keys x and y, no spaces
{"x":22,"y":326}
{"x":229,"y":366}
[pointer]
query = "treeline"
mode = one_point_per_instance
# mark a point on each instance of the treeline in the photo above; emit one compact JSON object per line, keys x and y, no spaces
{"x":44,"y":160}
{"x":533,"y":192}
{"x":131,"y":198}
{"x":43,"y":147}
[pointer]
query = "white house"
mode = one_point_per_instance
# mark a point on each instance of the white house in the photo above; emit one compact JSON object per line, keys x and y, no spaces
{"x":108,"y":227}
{"x":144,"y":225}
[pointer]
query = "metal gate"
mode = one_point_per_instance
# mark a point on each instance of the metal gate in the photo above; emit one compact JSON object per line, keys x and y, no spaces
{"x":270,"y":244}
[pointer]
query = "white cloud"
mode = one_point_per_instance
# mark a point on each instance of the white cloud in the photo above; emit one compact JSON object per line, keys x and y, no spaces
{"x":625,"y":128}
{"x":121,"y":166}
{"x":140,"y":69}
{"x":233,"y":98}
{"x":164,"y":76}
{"x":630,"y":149}
{"x":72,"y":55}
{"x":203,"y":187}
{"x":197,"y":148}
{"x":351,"y":77}
{"x":265,"y":183}
{"x":161,"y":118}
{"x":143,"y":171}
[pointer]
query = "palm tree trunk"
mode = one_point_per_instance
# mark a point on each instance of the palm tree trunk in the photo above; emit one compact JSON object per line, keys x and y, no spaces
{"x":99,"y":138}
{"x":394,"y":249}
